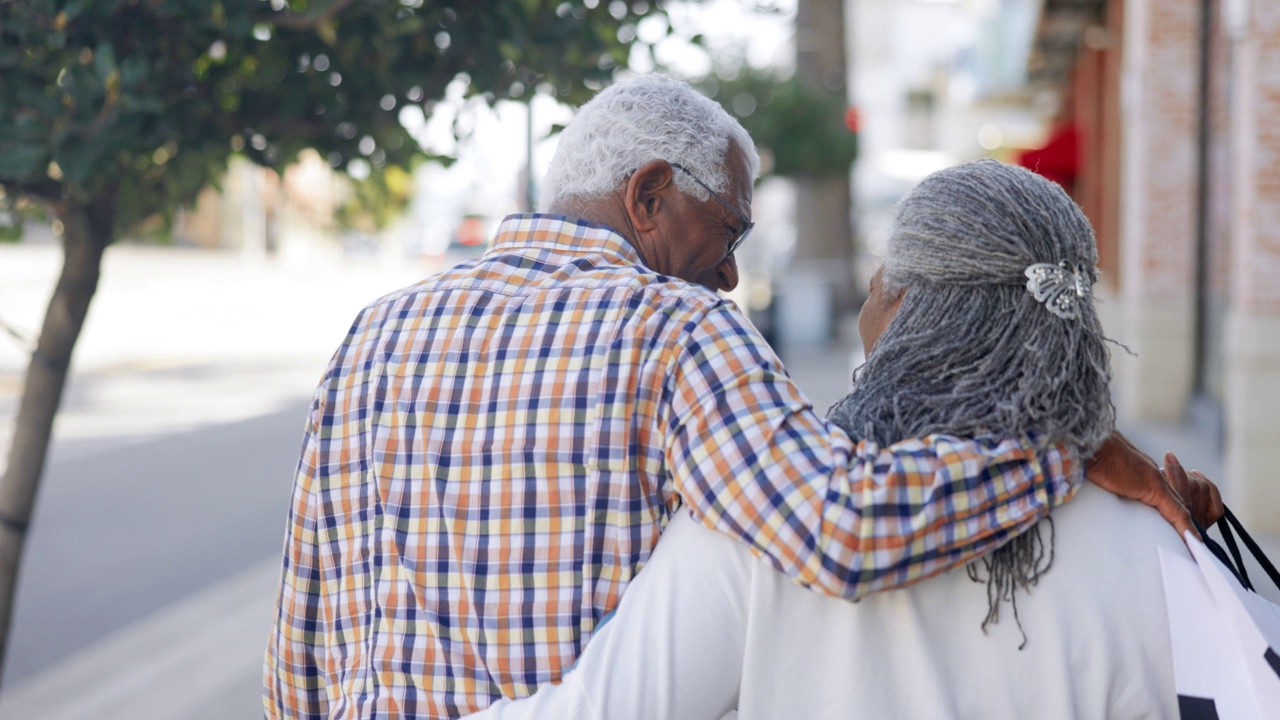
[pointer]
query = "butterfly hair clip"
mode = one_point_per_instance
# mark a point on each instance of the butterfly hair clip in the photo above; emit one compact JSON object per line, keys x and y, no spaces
{"x":1060,"y":287}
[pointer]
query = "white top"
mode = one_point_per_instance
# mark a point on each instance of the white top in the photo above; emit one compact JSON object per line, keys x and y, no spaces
{"x":707,"y":627}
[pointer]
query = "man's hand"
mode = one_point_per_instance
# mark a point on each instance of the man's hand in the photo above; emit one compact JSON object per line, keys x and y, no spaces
{"x":1125,"y":470}
{"x":1199,"y":494}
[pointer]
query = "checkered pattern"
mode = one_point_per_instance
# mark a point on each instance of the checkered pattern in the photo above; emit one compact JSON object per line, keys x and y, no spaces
{"x":492,"y":455}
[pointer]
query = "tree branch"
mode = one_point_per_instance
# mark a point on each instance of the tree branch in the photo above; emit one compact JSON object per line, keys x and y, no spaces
{"x":104,"y":113}
{"x":46,"y":190}
{"x":26,"y":344}
{"x":310,"y":21}
{"x":36,"y":17}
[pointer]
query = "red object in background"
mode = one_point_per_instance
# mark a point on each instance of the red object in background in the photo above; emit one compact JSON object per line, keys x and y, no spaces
{"x":852,"y":119}
{"x":1059,"y":159}
{"x":471,"y":231}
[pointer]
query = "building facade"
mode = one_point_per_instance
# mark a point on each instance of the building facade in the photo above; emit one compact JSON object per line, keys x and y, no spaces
{"x":1177,"y":104}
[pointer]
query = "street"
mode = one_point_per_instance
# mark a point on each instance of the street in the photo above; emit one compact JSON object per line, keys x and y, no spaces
{"x":150,"y":575}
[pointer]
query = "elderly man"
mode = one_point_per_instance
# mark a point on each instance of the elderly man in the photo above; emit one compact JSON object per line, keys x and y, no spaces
{"x":493,"y":452}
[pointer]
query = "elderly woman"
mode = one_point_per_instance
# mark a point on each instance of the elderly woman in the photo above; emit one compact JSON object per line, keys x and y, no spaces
{"x":980,"y":321}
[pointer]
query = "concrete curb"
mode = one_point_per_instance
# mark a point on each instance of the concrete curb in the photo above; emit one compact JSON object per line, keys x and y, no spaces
{"x":199,"y":658}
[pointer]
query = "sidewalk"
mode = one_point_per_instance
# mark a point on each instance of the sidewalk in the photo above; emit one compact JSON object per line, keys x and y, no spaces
{"x":198,"y":659}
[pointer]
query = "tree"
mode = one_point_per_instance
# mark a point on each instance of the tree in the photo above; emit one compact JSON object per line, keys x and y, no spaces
{"x":824,"y":205}
{"x":803,"y":129}
{"x":117,"y":111}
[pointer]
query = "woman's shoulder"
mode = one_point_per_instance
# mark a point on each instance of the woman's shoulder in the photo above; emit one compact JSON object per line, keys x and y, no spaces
{"x":1100,"y":527}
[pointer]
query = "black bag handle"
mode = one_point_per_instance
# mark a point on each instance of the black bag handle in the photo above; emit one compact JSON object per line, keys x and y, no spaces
{"x":1267,"y":566}
{"x":1225,"y":525}
{"x":1221,"y":554}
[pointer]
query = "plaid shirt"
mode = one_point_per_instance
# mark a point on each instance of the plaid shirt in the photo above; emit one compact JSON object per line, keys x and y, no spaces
{"x":493,"y":452}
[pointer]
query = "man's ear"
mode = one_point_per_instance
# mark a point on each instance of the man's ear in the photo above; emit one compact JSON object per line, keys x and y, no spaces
{"x":647,"y":193}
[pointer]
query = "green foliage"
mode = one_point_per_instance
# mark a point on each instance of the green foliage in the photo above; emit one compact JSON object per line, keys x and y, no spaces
{"x":144,"y":101}
{"x":801,"y":126}
{"x":15,"y":212}
{"x":377,"y":199}
{"x":10,"y":226}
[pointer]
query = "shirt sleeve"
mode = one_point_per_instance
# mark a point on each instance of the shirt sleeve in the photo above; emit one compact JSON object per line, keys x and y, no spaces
{"x":750,"y":457}
{"x":293,"y":672}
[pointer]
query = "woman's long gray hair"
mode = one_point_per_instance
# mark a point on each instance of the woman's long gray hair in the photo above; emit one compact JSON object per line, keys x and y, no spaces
{"x":971,"y":351}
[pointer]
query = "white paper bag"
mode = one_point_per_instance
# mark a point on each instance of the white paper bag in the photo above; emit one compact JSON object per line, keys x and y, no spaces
{"x":1225,"y":639}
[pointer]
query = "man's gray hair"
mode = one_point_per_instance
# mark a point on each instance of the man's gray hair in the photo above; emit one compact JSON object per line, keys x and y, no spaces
{"x":643,"y":118}
{"x":970,"y":350}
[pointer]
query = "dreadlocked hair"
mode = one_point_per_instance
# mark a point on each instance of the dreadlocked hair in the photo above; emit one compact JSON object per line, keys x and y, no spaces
{"x":971,"y":352}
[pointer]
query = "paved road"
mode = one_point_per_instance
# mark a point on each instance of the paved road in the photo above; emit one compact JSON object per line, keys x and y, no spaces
{"x":150,"y":573}
{"x":122,"y":533}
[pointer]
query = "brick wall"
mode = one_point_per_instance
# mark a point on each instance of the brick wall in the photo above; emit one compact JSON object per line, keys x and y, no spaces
{"x":1257,"y":159}
{"x":1253,"y":330}
{"x":1161,"y":109}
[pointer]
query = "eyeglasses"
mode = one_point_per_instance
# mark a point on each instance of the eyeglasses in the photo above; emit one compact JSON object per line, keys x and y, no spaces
{"x":746,"y":224}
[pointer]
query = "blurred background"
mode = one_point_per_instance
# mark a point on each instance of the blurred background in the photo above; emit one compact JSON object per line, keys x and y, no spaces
{"x":265,"y":169}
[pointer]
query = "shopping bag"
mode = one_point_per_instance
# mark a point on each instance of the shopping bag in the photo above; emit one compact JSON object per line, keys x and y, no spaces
{"x":1225,"y":639}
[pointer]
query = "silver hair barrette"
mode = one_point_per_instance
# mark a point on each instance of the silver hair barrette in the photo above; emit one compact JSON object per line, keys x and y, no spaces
{"x":1060,"y":287}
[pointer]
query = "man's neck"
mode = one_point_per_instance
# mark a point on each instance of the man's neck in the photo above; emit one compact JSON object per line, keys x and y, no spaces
{"x":607,"y":211}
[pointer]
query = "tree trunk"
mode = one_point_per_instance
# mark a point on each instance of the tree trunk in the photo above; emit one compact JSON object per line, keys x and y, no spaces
{"x":87,"y":230}
{"x":824,"y":241}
